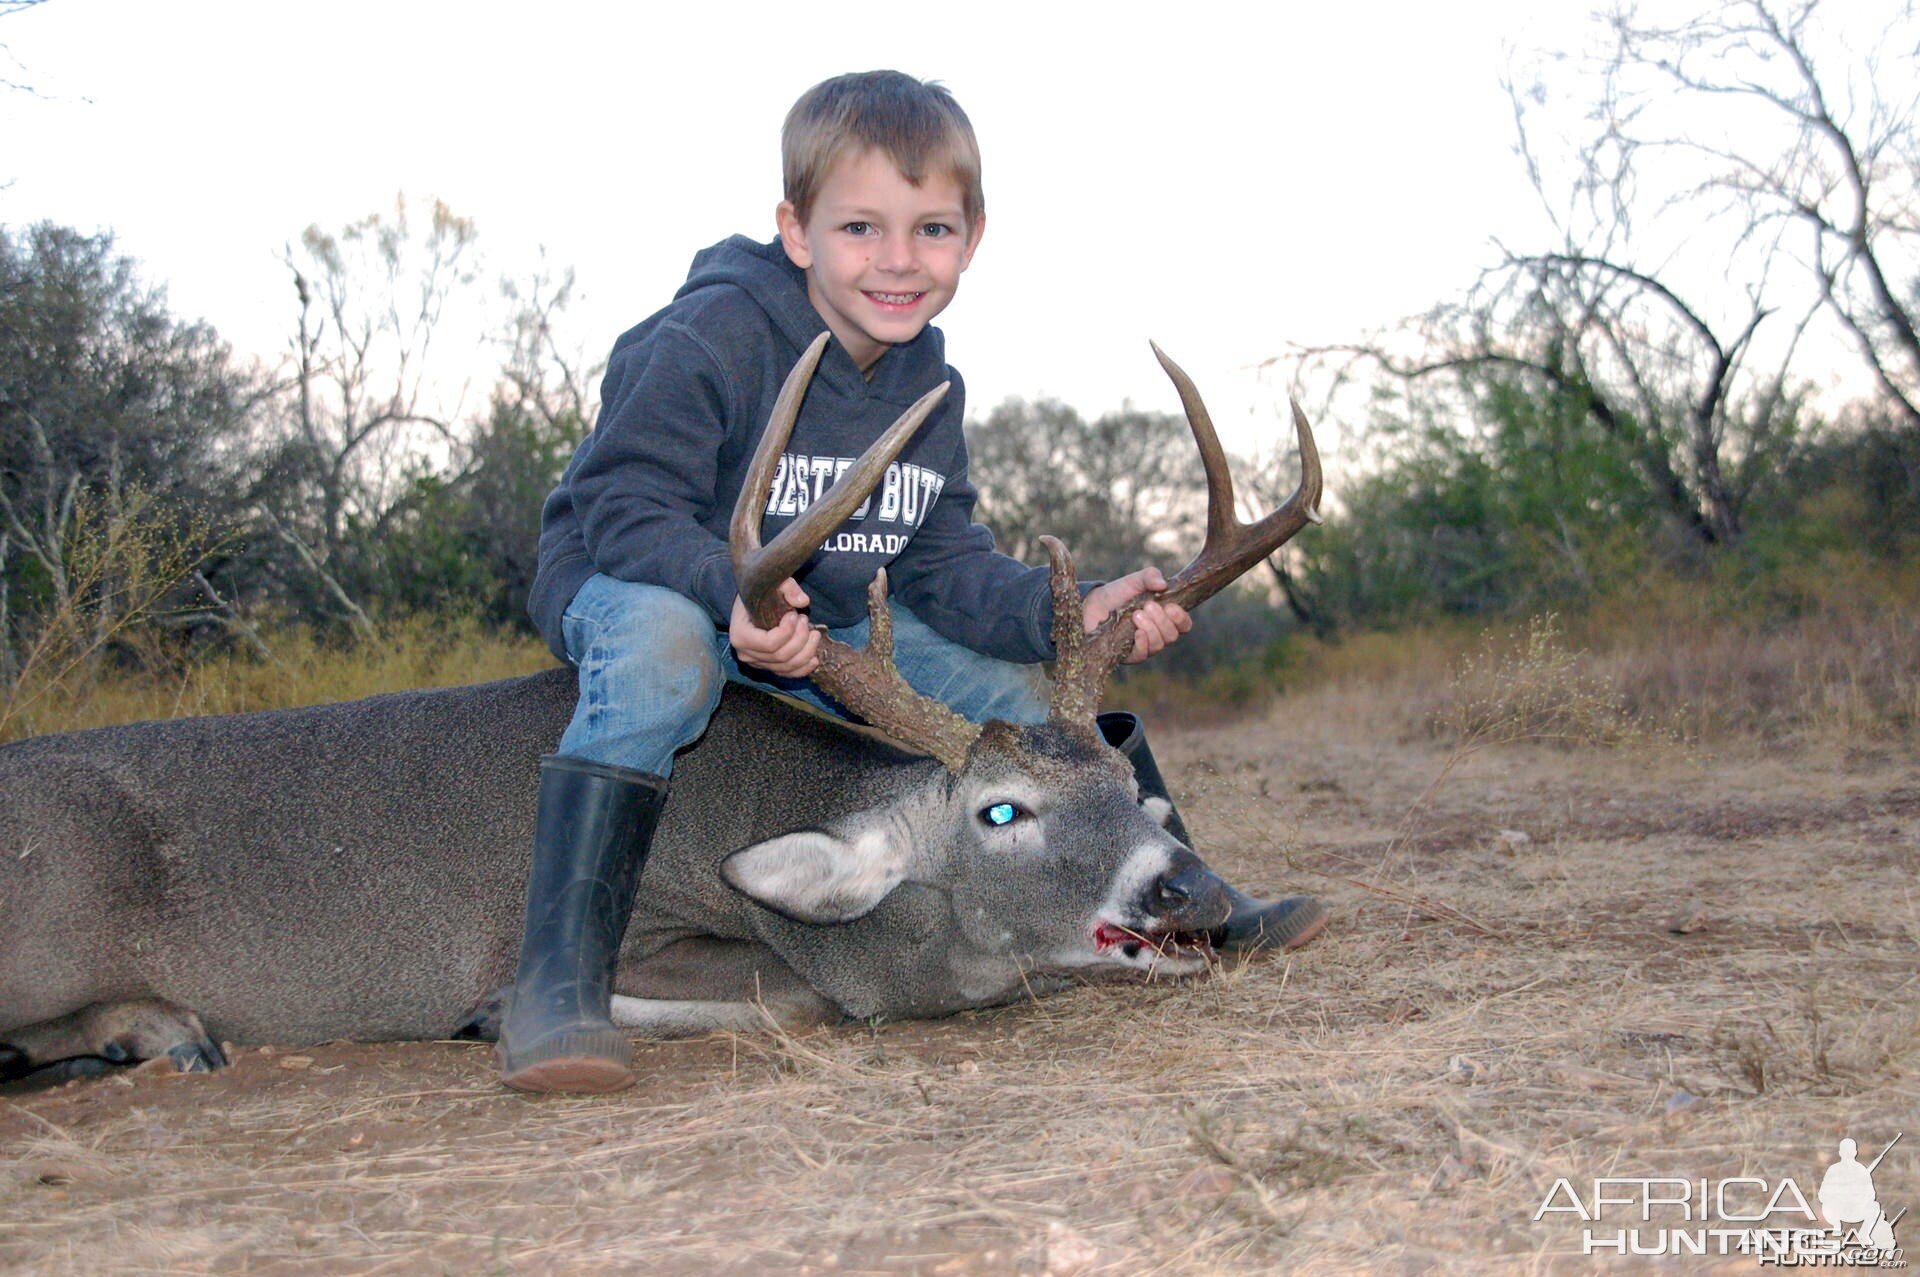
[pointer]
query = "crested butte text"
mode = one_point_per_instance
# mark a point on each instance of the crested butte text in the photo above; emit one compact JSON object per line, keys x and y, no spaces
{"x":905,"y":494}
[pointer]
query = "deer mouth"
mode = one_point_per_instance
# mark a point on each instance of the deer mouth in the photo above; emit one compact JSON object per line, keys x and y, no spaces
{"x":1155,"y":946}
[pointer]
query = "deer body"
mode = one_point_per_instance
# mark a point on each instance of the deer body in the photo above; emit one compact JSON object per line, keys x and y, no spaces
{"x":357,"y":871}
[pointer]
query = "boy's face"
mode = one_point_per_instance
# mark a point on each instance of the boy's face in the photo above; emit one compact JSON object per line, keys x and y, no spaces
{"x":882,"y":256}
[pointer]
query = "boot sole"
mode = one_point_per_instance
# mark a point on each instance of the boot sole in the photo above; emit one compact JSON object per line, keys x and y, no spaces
{"x":1297,"y":927}
{"x":1309,"y":928}
{"x":571,"y":1075}
{"x":584,"y":1061}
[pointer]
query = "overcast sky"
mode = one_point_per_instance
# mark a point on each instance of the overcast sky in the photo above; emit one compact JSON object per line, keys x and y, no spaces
{"x":1225,"y":179}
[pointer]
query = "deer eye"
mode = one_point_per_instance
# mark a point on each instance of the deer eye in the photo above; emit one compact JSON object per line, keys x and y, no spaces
{"x":1003,"y":813}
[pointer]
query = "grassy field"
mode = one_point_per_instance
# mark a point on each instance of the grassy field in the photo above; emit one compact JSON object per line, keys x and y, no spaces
{"x":1643,"y":912}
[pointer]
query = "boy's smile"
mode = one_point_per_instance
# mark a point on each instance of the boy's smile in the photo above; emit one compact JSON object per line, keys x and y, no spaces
{"x":882,"y":256}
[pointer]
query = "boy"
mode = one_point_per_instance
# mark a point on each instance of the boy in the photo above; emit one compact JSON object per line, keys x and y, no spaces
{"x":883,"y":212}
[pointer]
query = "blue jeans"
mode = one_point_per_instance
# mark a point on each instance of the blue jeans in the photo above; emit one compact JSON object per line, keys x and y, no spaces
{"x":652,"y":666}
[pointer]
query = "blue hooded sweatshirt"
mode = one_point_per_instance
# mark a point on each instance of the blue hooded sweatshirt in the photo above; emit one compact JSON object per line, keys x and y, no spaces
{"x":648,"y":495}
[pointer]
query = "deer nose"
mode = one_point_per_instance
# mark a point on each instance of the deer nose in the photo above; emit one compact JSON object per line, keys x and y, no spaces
{"x":1188,"y":896}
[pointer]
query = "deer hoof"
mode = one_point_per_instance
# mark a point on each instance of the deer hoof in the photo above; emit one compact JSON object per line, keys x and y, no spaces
{"x":131,"y":1032}
{"x":203,"y":1056}
{"x":95,"y":1038}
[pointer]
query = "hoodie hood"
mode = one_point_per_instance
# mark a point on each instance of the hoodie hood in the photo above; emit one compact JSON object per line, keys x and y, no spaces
{"x":766,"y":274}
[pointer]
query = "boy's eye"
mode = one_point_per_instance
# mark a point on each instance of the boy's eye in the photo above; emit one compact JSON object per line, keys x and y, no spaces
{"x":936,"y":230}
{"x":858,"y":228}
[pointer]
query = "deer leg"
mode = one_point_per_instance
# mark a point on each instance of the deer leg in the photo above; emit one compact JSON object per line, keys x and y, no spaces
{"x":698,"y":984}
{"x":703,"y":984}
{"x":669,"y":1018}
{"x":116,"y":1032}
{"x":1251,"y":924}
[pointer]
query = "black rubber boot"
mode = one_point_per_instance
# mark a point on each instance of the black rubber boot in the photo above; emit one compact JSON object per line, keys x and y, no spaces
{"x":1253,"y":924}
{"x":594,"y":826}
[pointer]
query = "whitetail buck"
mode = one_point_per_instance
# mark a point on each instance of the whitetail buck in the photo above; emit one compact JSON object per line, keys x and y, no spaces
{"x":357,"y":870}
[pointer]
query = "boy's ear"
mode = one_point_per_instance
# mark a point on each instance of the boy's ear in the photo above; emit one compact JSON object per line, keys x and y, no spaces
{"x":793,"y":236}
{"x":974,"y":232}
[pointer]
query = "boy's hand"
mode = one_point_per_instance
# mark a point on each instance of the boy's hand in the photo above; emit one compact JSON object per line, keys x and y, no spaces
{"x":790,"y":649}
{"x":1155,"y":625}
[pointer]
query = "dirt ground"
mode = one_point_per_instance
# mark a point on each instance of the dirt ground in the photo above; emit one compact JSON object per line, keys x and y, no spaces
{"x":1500,"y":1003}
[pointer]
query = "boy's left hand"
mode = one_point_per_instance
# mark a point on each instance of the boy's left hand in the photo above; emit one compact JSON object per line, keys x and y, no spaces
{"x":1155,"y":625}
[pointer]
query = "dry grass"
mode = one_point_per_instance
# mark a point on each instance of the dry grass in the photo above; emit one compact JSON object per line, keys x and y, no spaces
{"x":1843,"y":674}
{"x":1835,"y":662}
{"x":1500,"y":1003}
{"x":1831,"y":654}
{"x":401,"y":654}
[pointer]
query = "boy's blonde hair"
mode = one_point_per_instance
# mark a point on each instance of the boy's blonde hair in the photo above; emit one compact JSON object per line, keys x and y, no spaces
{"x":917,"y":125}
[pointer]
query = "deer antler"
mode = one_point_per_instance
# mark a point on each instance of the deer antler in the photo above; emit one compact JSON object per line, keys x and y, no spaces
{"x":865,"y":682}
{"x":1085,"y":661}
{"x":868,"y":683}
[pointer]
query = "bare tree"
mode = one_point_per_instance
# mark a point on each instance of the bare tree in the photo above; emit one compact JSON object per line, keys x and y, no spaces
{"x":1702,"y":426}
{"x":551,"y":382}
{"x":364,"y":402}
{"x":7,"y":9}
{"x":1814,"y":153}
{"x":372,"y":298}
{"x":1124,"y":490}
{"x":465,"y":538}
{"x":1719,"y":196}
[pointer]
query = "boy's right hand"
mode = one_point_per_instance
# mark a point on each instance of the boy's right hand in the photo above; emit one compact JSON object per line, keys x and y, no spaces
{"x":790,"y":649}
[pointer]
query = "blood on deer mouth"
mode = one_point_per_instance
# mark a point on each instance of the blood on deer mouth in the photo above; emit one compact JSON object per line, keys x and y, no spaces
{"x":1165,"y":944}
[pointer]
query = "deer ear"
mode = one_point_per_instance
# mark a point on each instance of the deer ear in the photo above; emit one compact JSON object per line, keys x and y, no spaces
{"x":821,"y":876}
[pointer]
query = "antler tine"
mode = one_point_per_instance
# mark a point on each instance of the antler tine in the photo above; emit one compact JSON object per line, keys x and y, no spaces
{"x":1234,"y":547}
{"x":757,"y":569}
{"x":1213,"y":458}
{"x":750,"y":565}
{"x":868,"y":683}
{"x":1231,"y":547}
{"x":1070,"y":641}
{"x":865,"y":682}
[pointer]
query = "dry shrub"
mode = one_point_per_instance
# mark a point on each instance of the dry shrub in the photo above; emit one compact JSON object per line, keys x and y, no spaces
{"x":1529,"y":687}
{"x":1214,"y":696}
{"x":119,"y":557}
{"x":1829,"y":647}
{"x":1421,"y":655}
